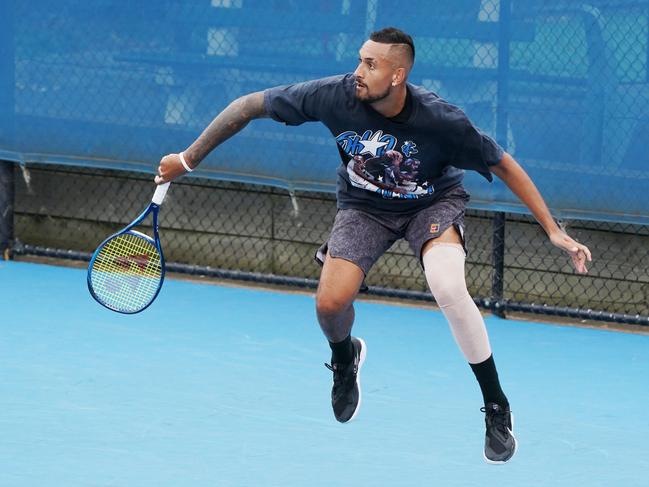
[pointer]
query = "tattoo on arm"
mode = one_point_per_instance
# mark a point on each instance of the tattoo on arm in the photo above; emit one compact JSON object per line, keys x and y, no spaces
{"x":230,"y":121}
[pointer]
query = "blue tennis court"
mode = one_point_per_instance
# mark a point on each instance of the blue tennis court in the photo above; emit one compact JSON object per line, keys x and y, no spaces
{"x":225,"y":386}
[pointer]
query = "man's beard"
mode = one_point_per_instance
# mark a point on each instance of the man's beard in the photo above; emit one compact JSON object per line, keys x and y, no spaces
{"x":374,"y":98}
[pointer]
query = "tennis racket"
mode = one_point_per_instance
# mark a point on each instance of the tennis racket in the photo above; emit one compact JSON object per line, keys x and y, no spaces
{"x":127,"y":270}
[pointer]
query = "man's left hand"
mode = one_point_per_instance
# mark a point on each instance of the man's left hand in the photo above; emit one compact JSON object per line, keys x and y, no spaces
{"x":578,"y":253}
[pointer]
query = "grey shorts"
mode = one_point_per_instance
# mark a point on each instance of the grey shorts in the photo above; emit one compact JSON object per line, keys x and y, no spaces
{"x":361,"y":237}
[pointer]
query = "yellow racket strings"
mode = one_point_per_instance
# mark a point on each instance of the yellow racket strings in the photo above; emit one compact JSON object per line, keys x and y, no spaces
{"x":127,"y":272}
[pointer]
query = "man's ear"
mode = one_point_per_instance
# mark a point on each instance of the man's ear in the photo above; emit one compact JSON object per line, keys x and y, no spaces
{"x":399,"y":76}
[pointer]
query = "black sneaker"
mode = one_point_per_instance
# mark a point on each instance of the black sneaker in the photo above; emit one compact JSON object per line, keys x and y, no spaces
{"x":500,"y":444}
{"x":346,"y":392}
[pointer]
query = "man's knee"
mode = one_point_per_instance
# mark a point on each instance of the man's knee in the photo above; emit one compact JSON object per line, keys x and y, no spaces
{"x":338,"y":286}
{"x":444,"y":269}
{"x":446,"y":292}
{"x":331,"y":305}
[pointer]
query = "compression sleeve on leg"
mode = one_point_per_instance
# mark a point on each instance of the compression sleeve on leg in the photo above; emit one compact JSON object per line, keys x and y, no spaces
{"x":444,"y":269}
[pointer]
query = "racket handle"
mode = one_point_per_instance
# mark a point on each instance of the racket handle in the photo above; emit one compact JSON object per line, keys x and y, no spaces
{"x":160,"y":193}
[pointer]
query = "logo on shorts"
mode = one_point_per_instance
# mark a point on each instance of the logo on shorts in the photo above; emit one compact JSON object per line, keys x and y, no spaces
{"x":434,"y":228}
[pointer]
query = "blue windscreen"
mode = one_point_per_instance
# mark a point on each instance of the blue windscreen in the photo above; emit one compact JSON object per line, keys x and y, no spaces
{"x":562,"y":85}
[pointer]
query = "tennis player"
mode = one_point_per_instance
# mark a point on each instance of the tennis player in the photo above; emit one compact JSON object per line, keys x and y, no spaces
{"x":372,"y":113}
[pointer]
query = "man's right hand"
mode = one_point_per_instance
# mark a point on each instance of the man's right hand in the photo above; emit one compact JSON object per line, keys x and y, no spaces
{"x":169,"y":169}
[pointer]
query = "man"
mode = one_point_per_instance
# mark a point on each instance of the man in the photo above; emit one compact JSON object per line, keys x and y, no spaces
{"x":373,"y":113}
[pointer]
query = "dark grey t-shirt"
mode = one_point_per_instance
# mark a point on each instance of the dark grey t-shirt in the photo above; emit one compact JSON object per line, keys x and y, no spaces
{"x":388,"y":165}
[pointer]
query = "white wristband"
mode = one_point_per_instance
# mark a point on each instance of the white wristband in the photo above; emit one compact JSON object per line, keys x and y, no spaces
{"x":184,"y":163}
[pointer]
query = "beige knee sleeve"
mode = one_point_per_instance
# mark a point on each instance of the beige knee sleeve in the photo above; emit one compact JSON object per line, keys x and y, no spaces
{"x":444,"y":268}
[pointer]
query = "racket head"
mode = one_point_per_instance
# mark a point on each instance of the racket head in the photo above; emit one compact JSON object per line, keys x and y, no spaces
{"x":126,"y":272}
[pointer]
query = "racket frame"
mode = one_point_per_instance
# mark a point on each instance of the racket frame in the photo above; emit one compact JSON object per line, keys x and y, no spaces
{"x":154,"y":209}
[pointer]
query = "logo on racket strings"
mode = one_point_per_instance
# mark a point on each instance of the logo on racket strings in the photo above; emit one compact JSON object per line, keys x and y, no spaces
{"x":125,"y":262}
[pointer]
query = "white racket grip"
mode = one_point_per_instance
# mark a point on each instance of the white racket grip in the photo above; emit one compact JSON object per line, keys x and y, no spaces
{"x":160,"y":193}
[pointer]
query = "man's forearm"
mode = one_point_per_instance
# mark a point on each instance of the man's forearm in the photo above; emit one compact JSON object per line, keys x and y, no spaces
{"x":515,"y":177}
{"x":230,"y":121}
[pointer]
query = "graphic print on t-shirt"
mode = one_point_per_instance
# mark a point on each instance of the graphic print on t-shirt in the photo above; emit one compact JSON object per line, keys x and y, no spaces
{"x":375,"y":165}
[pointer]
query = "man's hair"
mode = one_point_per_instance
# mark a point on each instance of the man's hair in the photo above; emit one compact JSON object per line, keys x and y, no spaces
{"x":392,"y":35}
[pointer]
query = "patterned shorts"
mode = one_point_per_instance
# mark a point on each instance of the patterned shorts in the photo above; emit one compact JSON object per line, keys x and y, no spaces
{"x":361,"y":237}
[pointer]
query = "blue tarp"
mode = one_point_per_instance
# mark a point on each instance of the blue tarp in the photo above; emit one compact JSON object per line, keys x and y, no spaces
{"x":562,"y":85}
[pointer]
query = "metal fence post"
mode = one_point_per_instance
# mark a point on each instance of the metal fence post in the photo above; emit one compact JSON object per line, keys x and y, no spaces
{"x":502,"y":123}
{"x":7,"y":192}
{"x":498,"y":259}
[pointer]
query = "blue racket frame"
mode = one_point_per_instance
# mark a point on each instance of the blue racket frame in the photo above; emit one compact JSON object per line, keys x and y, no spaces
{"x":152,"y":208}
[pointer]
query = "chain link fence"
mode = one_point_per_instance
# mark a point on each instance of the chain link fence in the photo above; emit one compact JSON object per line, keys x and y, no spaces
{"x":563,"y":85}
{"x":240,"y":231}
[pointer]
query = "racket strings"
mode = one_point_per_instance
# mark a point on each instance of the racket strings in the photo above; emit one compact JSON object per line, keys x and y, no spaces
{"x":126,"y":273}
